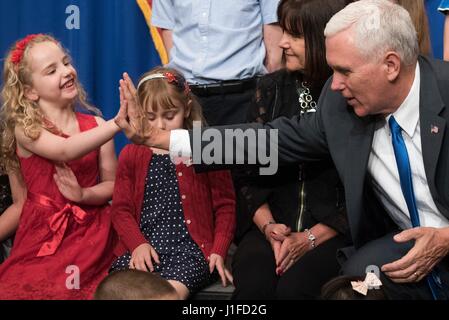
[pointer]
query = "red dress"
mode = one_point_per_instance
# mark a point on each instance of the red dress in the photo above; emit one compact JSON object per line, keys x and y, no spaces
{"x":61,"y":250}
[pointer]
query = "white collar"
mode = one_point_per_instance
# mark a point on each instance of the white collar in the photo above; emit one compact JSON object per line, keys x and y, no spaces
{"x":407,"y":115}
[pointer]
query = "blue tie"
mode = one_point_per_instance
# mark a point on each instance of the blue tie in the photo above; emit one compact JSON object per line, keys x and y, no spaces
{"x":405,"y":176}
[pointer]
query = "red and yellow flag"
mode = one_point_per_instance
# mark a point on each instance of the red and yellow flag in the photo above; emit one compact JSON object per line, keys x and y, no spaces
{"x":146,"y":7}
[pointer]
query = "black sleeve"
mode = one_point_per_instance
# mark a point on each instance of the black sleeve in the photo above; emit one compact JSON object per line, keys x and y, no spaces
{"x":326,"y":198}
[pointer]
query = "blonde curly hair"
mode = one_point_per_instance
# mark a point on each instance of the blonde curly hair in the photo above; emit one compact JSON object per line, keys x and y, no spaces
{"x":17,"y":110}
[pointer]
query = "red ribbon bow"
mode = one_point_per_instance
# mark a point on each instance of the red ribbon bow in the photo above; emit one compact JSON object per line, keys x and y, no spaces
{"x":58,"y":225}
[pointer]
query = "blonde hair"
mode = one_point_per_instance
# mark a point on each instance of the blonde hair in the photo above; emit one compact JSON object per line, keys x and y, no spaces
{"x":160,"y":93}
{"x":18,"y":110}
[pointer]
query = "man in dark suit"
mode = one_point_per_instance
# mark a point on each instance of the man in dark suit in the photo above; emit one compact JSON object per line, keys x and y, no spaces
{"x":381,"y":93}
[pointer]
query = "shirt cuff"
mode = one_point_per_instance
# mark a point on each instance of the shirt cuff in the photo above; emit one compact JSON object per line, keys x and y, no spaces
{"x":270,"y":19}
{"x":161,"y":23}
{"x":180,"y":144}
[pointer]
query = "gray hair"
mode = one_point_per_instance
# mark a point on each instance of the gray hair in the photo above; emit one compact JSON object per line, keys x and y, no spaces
{"x":379,"y":26}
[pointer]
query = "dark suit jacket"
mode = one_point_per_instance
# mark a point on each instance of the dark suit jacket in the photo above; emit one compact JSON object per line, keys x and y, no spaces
{"x":334,"y":129}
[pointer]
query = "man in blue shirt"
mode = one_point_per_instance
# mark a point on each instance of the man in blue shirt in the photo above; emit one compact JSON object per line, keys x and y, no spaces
{"x":221,"y":47}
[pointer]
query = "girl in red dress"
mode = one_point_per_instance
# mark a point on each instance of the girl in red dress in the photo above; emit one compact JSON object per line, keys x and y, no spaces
{"x":61,"y":165}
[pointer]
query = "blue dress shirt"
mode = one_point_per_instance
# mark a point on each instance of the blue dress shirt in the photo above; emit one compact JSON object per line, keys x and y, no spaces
{"x":216,"y":40}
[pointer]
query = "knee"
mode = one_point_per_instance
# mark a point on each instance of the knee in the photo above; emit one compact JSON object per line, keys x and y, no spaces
{"x":359,"y":265}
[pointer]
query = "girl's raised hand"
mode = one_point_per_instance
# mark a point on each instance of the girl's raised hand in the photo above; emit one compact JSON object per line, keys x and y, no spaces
{"x":67,"y":183}
{"x":131,"y":117}
{"x":121,"y":119}
{"x":133,"y":121}
{"x":216,"y":262}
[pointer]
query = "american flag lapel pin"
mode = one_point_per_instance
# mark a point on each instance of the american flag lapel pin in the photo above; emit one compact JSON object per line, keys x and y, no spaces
{"x":434,"y":129}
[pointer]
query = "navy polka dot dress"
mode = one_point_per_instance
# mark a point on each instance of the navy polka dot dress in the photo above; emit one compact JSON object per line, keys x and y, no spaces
{"x":163,"y":225}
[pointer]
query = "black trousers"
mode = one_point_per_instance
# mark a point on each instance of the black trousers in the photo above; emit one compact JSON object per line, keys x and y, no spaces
{"x":227,"y":108}
{"x":254,"y":270}
{"x":385,"y":250}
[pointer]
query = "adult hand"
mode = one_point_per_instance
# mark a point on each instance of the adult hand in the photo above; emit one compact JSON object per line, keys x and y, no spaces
{"x":142,"y":256}
{"x":217,"y":262}
{"x":293,"y":248}
{"x":276,"y":247}
{"x":67,"y":183}
{"x":431,"y":245}
{"x":275,"y":233}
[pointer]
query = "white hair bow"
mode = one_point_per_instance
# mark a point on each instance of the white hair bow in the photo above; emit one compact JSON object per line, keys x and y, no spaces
{"x":371,"y":281}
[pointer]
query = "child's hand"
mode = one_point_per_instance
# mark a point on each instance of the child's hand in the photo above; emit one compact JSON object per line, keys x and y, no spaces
{"x":216,"y":261}
{"x":141,"y":258}
{"x":121,"y":119}
{"x":131,"y":118}
{"x":67,"y":183}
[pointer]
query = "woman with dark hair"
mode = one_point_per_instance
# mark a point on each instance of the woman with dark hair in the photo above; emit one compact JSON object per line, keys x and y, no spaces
{"x":297,"y":217}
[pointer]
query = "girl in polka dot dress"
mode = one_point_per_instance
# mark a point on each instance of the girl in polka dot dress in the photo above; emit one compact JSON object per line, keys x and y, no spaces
{"x":169,"y":219}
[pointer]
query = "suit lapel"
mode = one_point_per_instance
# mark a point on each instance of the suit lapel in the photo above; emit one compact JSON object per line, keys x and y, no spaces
{"x":433,"y":126}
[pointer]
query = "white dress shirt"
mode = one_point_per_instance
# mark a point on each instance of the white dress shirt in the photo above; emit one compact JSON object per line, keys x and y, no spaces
{"x":382,"y":164}
{"x":383,"y":168}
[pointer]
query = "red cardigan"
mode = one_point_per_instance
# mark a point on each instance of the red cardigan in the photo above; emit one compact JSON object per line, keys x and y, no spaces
{"x":208,"y":201}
